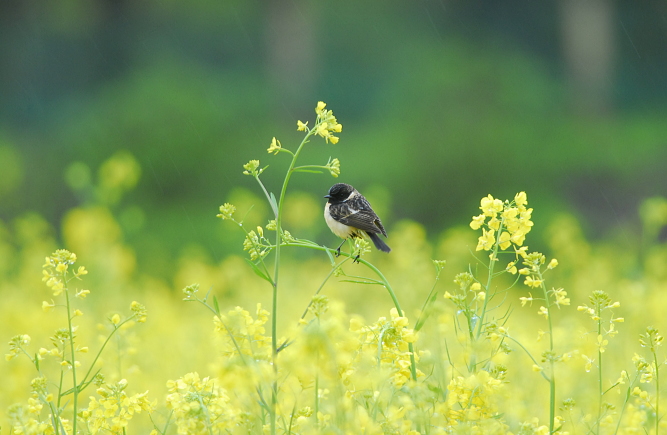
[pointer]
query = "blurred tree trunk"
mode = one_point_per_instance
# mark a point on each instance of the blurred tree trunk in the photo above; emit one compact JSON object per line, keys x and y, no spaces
{"x":291,"y":57}
{"x":589,"y":48}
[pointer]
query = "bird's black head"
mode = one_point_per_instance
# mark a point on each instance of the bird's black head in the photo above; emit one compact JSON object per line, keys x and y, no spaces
{"x":339,"y":192}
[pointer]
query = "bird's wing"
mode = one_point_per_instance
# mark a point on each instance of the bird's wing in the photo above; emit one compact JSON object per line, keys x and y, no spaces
{"x":362,"y":217}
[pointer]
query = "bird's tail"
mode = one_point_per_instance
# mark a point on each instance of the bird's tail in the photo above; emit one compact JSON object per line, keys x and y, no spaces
{"x":379,"y":243}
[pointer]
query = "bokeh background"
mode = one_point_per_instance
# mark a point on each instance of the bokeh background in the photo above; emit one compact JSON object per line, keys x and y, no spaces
{"x":442,"y":102}
{"x":124,"y":126}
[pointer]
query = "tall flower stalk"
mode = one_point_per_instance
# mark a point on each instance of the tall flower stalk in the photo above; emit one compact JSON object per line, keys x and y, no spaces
{"x":54,"y":394}
{"x":257,"y":244}
{"x":601,"y":311}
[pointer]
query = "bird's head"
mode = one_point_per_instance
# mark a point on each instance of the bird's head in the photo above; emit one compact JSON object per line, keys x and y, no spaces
{"x":339,"y":192}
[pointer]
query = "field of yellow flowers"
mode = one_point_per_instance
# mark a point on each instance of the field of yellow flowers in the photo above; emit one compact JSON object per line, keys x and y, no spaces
{"x":473,"y":332}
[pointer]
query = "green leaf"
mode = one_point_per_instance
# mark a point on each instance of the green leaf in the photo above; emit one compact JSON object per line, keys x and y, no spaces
{"x":310,"y":171}
{"x":274,"y":204}
{"x":373,"y":282}
{"x":331,"y":257}
{"x":259,"y":272}
{"x":216,"y":306}
{"x":426,"y":312}
{"x":208,"y":293}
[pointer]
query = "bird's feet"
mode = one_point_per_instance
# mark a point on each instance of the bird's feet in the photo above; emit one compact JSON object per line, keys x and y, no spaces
{"x":356,"y":259}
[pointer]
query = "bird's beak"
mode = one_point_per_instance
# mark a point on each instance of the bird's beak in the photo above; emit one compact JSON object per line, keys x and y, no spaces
{"x":327,"y":196}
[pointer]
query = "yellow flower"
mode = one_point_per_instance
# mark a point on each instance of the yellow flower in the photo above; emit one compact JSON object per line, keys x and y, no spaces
{"x":251,"y":168}
{"x":486,"y":241}
{"x":561,"y":297}
{"x":491,"y":206}
{"x":494,"y":223}
{"x":520,"y":199}
{"x":477,"y":222}
{"x":57,"y":287}
{"x":602,"y":343}
{"x":525,"y":300}
{"x":504,"y":240}
{"x":301,"y":126}
{"x":275,"y":146}
{"x":326,"y":124}
{"x":518,"y":237}
{"x":139,"y":311}
{"x":226,"y":211}
{"x":511,"y":268}
{"x":532,"y":282}
{"x":334,"y":167}
{"x":589,"y":363}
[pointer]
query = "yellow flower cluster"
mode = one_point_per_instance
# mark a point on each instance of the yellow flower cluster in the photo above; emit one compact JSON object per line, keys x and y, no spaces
{"x":114,"y":410}
{"x":334,"y":167}
{"x":201,"y":406}
{"x":390,"y":338}
{"x":56,"y":268}
{"x":226,"y":211}
{"x":244,"y":336}
{"x":325,"y":124}
{"x":139,"y":312}
{"x":256,"y":244}
{"x":252,"y":168}
{"x":509,"y":219}
{"x":469,"y":290}
{"x":599,"y":303}
{"x":25,"y":419}
{"x":651,"y":339}
{"x":471,"y":399}
{"x":16,"y":346}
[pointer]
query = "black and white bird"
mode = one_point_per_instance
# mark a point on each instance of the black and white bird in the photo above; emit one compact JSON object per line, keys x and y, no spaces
{"x":348,"y":214}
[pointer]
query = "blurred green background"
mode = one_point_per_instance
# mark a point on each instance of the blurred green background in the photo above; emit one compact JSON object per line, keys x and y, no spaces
{"x":149,"y":109}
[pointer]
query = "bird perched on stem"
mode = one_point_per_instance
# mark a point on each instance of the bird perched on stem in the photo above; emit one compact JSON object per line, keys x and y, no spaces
{"x":348,"y":214}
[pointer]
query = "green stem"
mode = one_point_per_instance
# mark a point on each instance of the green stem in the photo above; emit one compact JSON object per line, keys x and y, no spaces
{"x":274,"y":314}
{"x":75,"y":401}
{"x":552,"y":378}
{"x":331,"y":272}
{"x":625,"y":402}
{"x":599,"y":376}
{"x":99,"y":353}
{"x":487,"y":287}
{"x":529,"y":355}
{"x":427,"y":303}
{"x":257,"y":247}
{"x":657,"y":390}
{"x":385,"y":284}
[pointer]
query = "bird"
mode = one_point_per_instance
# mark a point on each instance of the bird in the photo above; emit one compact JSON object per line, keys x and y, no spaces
{"x":348,"y":214}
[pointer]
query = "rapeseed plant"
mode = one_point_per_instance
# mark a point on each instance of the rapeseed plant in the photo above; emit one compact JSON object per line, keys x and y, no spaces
{"x":449,"y":367}
{"x":62,"y":378}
